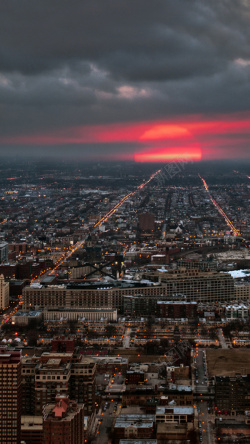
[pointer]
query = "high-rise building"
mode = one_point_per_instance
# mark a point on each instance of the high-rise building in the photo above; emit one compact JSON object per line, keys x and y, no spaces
{"x":146,"y":222}
{"x":57,"y":374}
{"x":4,"y":293}
{"x":4,"y":252}
{"x":10,"y":396}
{"x":63,"y":422}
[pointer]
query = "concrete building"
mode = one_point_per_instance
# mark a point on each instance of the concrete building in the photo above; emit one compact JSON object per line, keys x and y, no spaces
{"x":79,"y":314}
{"x":63,"y":422}
{"x":22,"y":318}
{"x":32,"y":429}
{"x":197,"y":285}
{"x":241,"y":291}
{"x":175,"y":414}
{"x":133,"y":426}
{"x":4,"y":293}
{"x":139,"y":305}
{"x":57,"y":374}
{"x":10,"y":396}
{"x":86,"y":295}
{"x":51,"y":380}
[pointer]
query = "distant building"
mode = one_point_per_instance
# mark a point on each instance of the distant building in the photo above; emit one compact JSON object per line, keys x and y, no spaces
{"x":84,"y":295}
{"x":197,"y":285}
{"x":236,"y":312}
{"x":4,"y":293}
{"x":62,"y":344}
{"x":177,"y":309}
{"x":10,"y":396}
{"x":63,"y":422}
{"x":139,"y":305}
{"x":23,"y":318}
{"x":143,"y":394}
{"x":146,"y":222}
{"x":208,"y":265}
{"x":4,"y":252}
{"x":79,"y":314}
{"x":138,"y":441}
{"x":135,"y":377}
{"x":241,"y":291}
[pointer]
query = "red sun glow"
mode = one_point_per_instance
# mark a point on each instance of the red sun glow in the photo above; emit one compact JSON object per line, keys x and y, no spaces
{"x":169,"y":154}
{"x":192,"y":137}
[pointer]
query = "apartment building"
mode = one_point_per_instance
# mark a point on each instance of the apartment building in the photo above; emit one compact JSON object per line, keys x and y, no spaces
{"x":57,"y":374}
{"x":85,"y":296}
{"x":10,"y":396}
{"x":63,"y":422}
{"x":232,"y":394}
{"x":197,"y":285}
{"x":4,"y":293}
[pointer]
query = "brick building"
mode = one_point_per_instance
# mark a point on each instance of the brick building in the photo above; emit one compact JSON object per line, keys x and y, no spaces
{"x":10,"y":396}
{"x":232,"y":393}
{"x":63,"y":422}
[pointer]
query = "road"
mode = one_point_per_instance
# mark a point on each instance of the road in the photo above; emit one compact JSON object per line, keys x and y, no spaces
{"x":105,"y":421}
{"x":6,"y":318}
{"x":126,"y":338}
{"x":222,"y":339}
{"x":206,"y":430}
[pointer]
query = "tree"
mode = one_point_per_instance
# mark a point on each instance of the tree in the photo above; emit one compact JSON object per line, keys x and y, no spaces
{"x":110,"y":330}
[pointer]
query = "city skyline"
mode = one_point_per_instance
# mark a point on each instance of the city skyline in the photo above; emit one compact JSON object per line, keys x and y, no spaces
{"x":146,"y":82}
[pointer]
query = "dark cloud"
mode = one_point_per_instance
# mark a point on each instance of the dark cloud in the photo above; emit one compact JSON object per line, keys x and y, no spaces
{"x":82,"y":62}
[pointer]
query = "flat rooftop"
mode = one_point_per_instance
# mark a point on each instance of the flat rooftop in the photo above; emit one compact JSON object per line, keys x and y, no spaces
{"x":177,"y":410}
{"x":227,"y":362}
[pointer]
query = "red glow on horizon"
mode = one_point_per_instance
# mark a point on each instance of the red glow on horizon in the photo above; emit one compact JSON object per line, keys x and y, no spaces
{"x":165,"y":131}
{"x":169,"y":155}
{"x":194,"y":136}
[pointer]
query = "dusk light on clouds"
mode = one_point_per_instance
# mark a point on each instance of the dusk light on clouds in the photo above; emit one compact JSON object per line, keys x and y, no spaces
{"x":139,"y":80}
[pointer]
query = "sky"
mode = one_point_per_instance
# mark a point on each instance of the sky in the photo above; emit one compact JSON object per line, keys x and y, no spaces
{"x":137,"y":80}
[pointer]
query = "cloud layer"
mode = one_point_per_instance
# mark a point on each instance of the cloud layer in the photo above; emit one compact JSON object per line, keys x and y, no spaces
{"x":67,"y":65}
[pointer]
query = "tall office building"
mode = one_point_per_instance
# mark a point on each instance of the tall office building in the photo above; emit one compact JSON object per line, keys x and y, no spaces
{"x":4,"y":293}
{"x":10,"y":396}
{"x":4,"y":252}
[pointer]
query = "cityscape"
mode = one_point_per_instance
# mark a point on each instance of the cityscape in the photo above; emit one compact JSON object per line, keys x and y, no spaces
{"x":125,"y":302}
{"x":125,"y":222}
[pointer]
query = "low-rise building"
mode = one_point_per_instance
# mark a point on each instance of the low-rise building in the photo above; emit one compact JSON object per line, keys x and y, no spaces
{"x":173,"y":414}
{"x":236,"y":311}
{"x":133,"y":426}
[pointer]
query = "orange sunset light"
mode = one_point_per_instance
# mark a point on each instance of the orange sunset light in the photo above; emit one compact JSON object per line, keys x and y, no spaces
{"x":169,"y":154}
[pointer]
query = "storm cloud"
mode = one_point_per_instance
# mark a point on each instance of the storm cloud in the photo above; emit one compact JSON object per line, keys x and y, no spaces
{"x":69,"y":64}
